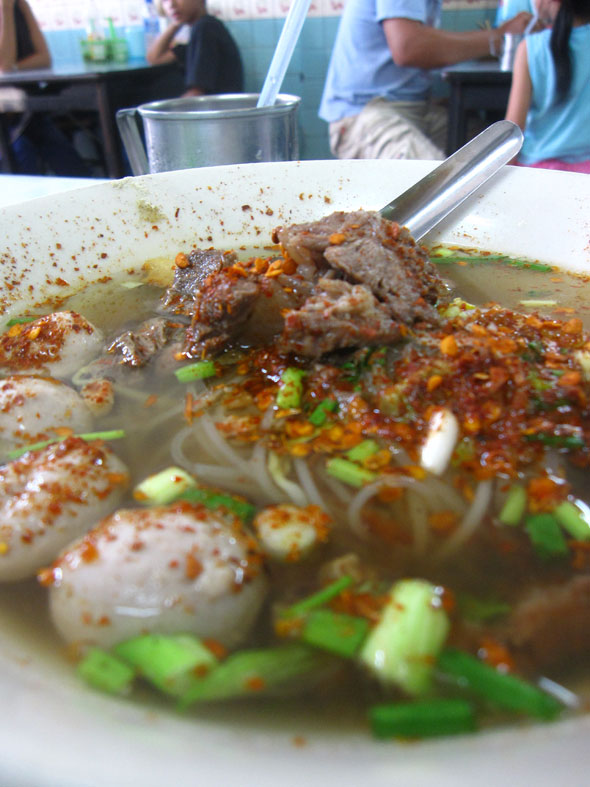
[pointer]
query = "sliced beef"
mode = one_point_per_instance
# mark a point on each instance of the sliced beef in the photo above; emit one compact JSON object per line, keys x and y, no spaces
{"x":339,"y":315}
{"x":367,"y":249}
{"x":190,"y":277}
{"x":550,"y":626}
{"x":136,"y":348}
{"x":222,"y":308}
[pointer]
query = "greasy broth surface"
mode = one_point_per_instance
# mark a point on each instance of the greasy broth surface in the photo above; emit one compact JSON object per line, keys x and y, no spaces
{"x":23,"y":606}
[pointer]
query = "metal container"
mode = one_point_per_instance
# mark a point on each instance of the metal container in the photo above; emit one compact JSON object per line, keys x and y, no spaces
{"x":204,"y":131}
{"x":509,"y":47}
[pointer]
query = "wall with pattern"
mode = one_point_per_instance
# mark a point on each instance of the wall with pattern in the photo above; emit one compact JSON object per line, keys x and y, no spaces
{"x":256,"y":26}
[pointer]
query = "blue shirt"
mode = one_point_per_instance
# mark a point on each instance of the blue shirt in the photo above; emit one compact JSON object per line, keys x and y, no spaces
{"x":361,"y":66}
{"x":559,"y":131}
{"x":509,"y":8}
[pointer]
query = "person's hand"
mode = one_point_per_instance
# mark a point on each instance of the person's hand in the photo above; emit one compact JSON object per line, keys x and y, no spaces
{"x":8,"y":5}
{"x":517,"y":24}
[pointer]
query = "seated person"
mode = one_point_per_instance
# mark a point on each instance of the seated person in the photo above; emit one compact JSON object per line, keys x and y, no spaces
{"x":211,"y":60}
{"x":377,"y":92}
{"x":37,"y":143}
{"x":550,"y":92}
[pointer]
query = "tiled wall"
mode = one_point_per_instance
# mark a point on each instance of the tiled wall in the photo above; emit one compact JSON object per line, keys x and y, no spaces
{"x":256,"y":25}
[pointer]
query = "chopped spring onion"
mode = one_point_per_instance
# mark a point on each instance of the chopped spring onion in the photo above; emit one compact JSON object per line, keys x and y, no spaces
{"x":456,"y":307}
{"x":556,"y":440}
{"x":537,"y":304}
{"x":479,"y":610}
{"x":573,"y":520}
{"x":336,"y":633}
{"x":349,"y":472}
{"x":514,"y":506}
{"x":504,"y":690}
{"x":422,"y":719}
{"x":319,"y":415}
{"x":320,"y":598}
{"x":169,"y":662}
{"x":241,"y":508}
{"x":196,"y":371}
{"x":114,"y":434}
{"x":290,"y":388}
{"x":583,"y":358}
{"x":546,"y":536}
{"x":163,"y":487}
{"x":21,"y":320}
{"x":362,"y":451}
{"x":250,"y":672}
{"x":106,"y":672}
{"x":403,"y":647}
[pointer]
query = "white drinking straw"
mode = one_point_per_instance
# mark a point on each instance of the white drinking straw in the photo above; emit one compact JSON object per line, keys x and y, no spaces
{"x":283,"y":52}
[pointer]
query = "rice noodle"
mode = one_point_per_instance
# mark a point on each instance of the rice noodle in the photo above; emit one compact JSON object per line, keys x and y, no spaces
{"x":471,"y":520}
{"x":418,"y":513}
{"x":309,"y":485}
{"x":218,"y":443}
{"x":362,"y":497}
{"x":259,"y":474}
{"x":295,"y":493}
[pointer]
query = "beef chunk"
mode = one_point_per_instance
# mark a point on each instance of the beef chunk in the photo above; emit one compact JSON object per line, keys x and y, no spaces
{"x":223,"y":306}
{"x":191,"y":277}
{"x":136,"y":348}
{"x":339,"y":315}
{"x":367,"y":249}
{"x":550,"y":626}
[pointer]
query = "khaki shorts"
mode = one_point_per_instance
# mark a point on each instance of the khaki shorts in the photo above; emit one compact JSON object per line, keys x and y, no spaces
{"x":391,"y":130}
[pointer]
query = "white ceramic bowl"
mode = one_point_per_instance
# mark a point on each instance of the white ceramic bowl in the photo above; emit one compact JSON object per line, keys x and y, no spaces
{"x":54,"y":732}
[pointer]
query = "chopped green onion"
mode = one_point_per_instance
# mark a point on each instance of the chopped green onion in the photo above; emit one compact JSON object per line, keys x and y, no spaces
{"x":169,"y":662}
{"x":320,"y":413}
{"x":114,"y":434}
{"x":362,"y":451}
{"x":290,"y":388}
{"x":422,"y":719}
{"x":479,"y":610}
{"x":504,"y":690}
{"x":241,"y":508}
{"x":106,"y":672}
{"x":20,"y":321}
{"x":402,"y":648}
{"x":556,"y":440}
{"x":336,"y":633}
{"x":537,"y":304}
{"x":163,"y":487}
{"x":514,"y":506}
{"x":196,"y":371}
{"x":320,"y":598}
{"x":538,"y":266}
{"x":252,"y":672}
{"x":545,"y":534}
{"x":349,"y":472}
{"x":572,"y":519}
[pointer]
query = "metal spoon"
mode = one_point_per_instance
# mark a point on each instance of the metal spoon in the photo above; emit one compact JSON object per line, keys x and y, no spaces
{"x":428,"y":201}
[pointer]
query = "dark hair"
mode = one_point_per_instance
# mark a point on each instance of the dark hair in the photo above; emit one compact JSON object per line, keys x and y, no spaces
{"x":569,"y":10}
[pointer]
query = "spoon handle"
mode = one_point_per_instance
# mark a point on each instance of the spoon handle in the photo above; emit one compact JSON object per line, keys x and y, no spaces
{"x":428,"y":201}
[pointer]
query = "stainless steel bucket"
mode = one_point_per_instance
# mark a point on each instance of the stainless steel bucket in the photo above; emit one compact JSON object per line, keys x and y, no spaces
{"x":203,"y":131}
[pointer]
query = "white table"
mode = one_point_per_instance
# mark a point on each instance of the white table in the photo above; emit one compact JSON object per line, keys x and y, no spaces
{"x":21,"y":188}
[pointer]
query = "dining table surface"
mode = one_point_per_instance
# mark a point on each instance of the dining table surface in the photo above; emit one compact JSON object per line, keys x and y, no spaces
{"x":101,"y":88}
{"x":475,"y":86}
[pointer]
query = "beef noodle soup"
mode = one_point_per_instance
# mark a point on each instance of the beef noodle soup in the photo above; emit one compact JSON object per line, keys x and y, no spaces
{"x":344,"y":465}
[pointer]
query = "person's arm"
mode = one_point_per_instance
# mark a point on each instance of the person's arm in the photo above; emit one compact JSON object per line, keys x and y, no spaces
{"x":7,"y":36}
{"x":521,"y":90}
{"x":414,"y":44}
{"x":160,"y":51}
{"x":39,"y":58}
